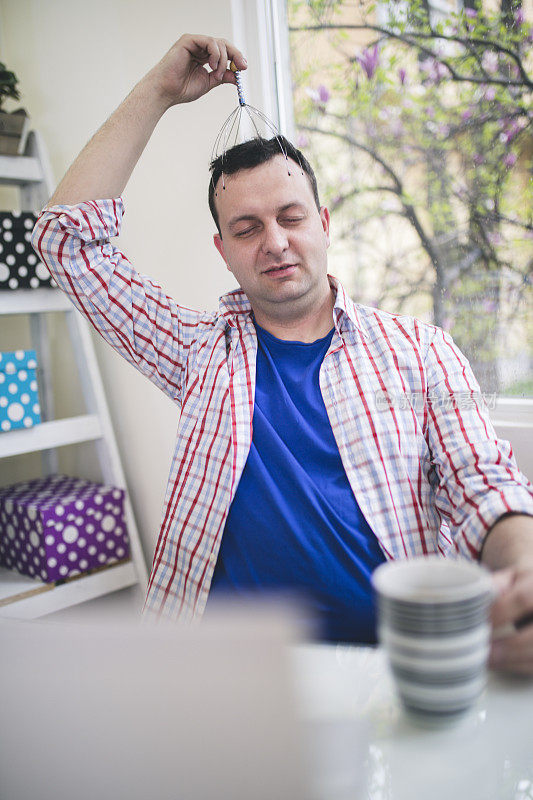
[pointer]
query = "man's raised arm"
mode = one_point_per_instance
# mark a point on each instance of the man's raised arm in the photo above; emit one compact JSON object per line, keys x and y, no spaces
{"x":104,"y":166}
{"x":73,"y":235}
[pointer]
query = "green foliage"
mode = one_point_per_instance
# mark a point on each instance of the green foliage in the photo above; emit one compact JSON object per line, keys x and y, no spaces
{"x":428,"y":125}
{"x":8,"y":85}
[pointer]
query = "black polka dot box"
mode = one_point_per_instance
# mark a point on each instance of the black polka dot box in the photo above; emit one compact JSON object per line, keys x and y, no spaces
{"x":58,"y":527}
{"x":19,"y":266}
{"x":19,"y":397}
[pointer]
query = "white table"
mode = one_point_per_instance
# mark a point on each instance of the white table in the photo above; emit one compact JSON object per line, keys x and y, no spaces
{"x":363,"y":745}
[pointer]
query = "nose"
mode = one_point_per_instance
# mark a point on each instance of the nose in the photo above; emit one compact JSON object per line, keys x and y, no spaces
{"x":275,"y":240}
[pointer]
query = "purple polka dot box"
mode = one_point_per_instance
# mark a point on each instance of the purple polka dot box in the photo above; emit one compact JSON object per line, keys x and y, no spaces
{"x":58,"y":527}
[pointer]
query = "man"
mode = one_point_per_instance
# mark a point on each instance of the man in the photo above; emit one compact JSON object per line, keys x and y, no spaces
{"x":297,"y":463}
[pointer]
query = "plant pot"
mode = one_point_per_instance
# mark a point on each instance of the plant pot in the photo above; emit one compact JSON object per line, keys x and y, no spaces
{"x":13,"y":132}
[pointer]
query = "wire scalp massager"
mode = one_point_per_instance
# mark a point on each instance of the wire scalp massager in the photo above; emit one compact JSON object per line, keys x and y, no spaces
{"x":244,"y":123}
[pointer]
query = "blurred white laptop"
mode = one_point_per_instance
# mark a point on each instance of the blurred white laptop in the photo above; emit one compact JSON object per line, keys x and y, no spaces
{"x":93,"y":712}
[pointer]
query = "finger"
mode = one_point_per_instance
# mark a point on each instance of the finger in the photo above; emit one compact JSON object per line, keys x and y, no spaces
{"x":229,"y":77}
{"x":523,"y":666}
{"x":509,"y":628}
{"x":223,"y":62}
{"x":206,"y":49}
{"x":203,"y":49}
{"x":502,"y":580}
{"x":513,"y":603}
{"x":235,"y":55}
{"x":514,"y":651}
{"x":525,"y":669}
{"x":214,"y":54}
{"x":522,"y":663}
{"x":524,"y":621}
{"x":518,"y":642}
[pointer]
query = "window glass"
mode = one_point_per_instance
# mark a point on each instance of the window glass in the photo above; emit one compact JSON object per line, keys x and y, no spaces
{"x":417,"y":120}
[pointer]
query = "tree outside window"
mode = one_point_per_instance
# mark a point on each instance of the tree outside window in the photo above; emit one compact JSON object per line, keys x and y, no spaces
{"x":418,"y":120}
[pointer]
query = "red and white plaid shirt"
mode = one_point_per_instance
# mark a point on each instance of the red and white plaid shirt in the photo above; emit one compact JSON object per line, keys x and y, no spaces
{"x":413,"y":432}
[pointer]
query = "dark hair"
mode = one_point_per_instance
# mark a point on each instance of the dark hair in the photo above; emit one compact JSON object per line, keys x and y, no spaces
{"x":252,"y":153}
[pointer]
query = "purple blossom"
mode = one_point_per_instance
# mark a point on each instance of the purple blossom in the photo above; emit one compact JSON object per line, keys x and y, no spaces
{"x":323,"y":94}
{"x":433,"y":69}
{"x":489,"y":94}
{"x":444,"y":130}
{"x":319,"y":96}
{"x":519,"y":17}
{"x":490,"y":305}
{"x":466,"y":115}
{"x":302,"y":140}
{"x":478,"y":159}
{"x":369,"y":60}
{"x":402,"y":74}
{"x":509,"y":133}
{"x":510,"y":160}
{"x":471,"y":15}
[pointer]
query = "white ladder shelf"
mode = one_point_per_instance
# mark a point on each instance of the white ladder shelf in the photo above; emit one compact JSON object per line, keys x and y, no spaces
{"x":21,"y":597}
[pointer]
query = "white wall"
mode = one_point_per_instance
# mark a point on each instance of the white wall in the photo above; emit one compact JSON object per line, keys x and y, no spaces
{"x":76,"y":61}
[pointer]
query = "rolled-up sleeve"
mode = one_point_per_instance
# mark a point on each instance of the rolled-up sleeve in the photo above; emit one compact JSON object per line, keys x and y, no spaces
{"x":128,"y":309}
{"x":478,"y":478}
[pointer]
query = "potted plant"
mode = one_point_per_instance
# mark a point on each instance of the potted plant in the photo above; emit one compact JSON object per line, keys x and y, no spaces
{"x":13,"y":125}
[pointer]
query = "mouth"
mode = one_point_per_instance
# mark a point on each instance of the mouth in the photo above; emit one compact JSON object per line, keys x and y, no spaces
{"x":279,"y":269}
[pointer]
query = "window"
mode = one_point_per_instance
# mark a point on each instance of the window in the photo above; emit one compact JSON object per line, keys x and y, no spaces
{"x":425,"y":172}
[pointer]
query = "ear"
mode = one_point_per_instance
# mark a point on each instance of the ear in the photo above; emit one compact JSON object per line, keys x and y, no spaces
{"x":324,"y":218}
{"x":219,"y":244}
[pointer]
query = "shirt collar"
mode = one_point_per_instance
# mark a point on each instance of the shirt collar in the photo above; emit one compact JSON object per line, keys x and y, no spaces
{"x":234,"y":304}
{"x":345,"y":315}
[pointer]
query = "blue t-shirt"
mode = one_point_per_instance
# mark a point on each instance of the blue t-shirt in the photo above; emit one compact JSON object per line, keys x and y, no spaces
{"x":294,"y":522}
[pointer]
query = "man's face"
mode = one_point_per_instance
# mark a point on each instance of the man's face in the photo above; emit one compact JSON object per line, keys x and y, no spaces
{"x":274,"y":239}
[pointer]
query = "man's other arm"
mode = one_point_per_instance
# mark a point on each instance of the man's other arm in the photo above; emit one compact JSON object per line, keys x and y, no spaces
{"x":486,"y":500}
{"x":508,"y":550}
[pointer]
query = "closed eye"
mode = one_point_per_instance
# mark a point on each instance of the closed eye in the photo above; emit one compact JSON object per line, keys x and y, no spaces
{"x":246,"y":231}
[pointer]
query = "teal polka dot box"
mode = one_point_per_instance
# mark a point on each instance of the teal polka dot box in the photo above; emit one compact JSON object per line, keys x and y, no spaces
{"x":19,"y":399}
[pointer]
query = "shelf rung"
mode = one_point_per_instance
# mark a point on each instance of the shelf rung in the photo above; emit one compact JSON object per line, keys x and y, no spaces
{"x":48,"y":435}
{"x":33,"y":301}
{"x":47,"y":598}
{"x":13,"y":585}
{"x":18,"y":170}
